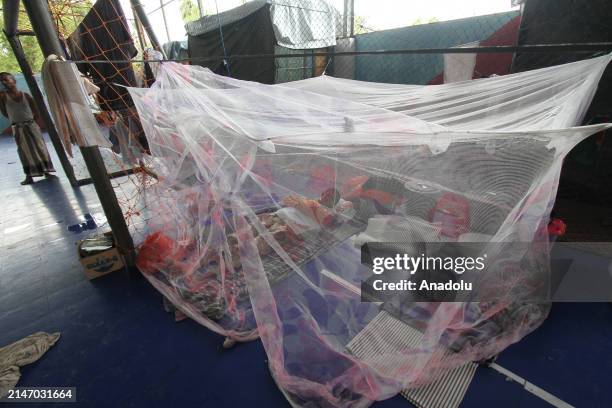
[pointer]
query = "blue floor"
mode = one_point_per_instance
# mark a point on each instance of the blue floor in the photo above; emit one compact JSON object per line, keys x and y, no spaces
{"x":119,"y":348}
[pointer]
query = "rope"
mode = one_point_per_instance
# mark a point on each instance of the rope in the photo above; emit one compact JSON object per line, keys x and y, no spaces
{"x":540,"y":48}
{"x":225,"y":61}
{"x":327,"y":65}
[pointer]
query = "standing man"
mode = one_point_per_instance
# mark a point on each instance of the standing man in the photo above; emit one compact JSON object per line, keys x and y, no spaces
{"x":19,"y":108}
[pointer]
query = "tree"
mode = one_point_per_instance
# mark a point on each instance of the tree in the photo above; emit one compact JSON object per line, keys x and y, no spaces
{"x":420,"y":21}
{"x":189,"y":10}
{"x":361,"y":26}
{"x":67,"y":15}
{"x":29,"y":44}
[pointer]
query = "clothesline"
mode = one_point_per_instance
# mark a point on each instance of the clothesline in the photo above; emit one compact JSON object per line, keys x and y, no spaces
{"x":540,"y":48}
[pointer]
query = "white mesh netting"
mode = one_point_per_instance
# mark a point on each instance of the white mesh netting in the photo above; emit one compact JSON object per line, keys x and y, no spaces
{"x":265,"y":193}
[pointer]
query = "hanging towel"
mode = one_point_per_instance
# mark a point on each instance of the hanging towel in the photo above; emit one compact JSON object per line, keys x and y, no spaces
{"x":71,"y":111}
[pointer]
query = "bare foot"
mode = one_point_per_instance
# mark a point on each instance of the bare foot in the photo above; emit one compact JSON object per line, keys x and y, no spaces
{"x":28,"y":180}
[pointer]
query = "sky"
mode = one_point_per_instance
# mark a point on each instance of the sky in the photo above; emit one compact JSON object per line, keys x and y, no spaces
{"x":378,"y":14}
{"x":384,"y":14}
{"x":176,"y":27}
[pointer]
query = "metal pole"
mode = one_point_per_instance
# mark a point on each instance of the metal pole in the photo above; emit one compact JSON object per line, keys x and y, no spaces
{"x":589,"y":48}
{"x":352,"y":16}
{"x":10,"y":9}
{"x":110,"y":205}
{"x":163,"y":10}
{"x":39,"y":100}
{"x":141,"y":38}
{"x":40,"y":18}
{"x":345,"y":19}
{"x":42,"y":24}
{"x":139,"y":30}
{"x":200,"y":8}
{"x":141,"y":15}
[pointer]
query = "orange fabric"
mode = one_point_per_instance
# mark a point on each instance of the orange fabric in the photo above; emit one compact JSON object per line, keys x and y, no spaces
{"x":353,"y":188}
{"x":453,"y":212}
{"x":156,"y":248}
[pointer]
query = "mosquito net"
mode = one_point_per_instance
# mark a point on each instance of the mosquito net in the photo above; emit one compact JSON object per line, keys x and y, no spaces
{"x":266,"y":194}
{"x":549,"y":98}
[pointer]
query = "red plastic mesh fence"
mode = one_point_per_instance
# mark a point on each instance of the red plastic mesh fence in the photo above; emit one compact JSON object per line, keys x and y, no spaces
{"x":100,"y":32}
